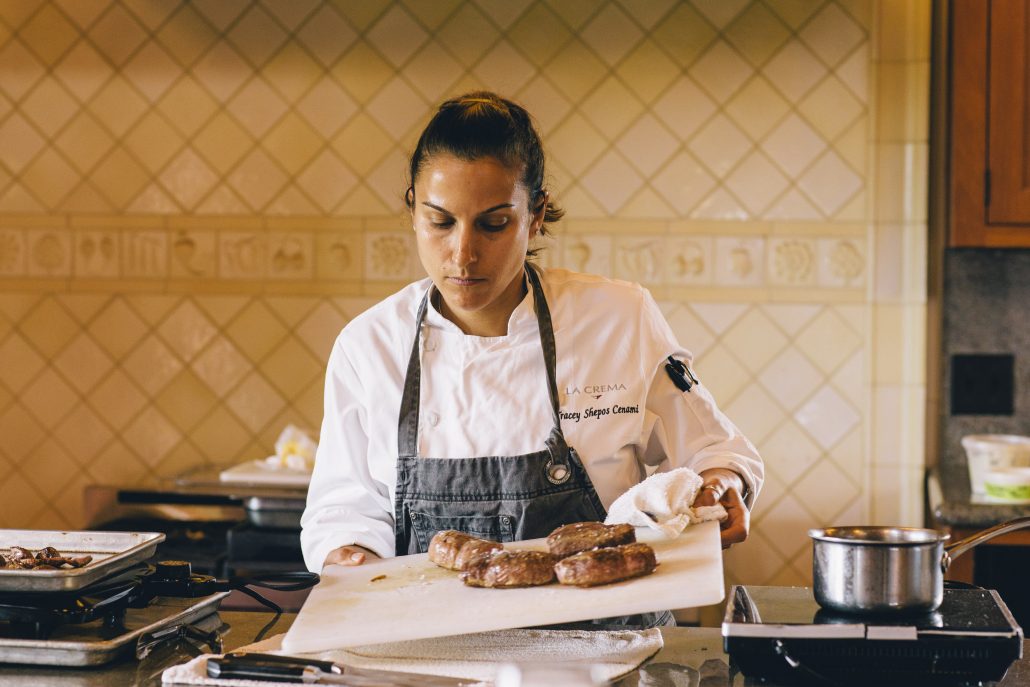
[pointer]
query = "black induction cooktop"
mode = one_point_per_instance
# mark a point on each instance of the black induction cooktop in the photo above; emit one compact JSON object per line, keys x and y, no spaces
{"x":781,"y":634}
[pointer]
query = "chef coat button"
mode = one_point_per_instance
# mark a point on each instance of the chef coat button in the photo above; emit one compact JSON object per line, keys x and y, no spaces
{"x":433,"y":419}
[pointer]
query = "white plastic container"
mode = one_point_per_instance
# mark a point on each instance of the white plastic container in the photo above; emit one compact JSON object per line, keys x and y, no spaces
{"x":1008,"y":485}
{"x":986,"y":452}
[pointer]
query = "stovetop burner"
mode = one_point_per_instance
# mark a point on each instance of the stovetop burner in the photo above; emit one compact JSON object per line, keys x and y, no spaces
{"x":35,"y":615}
{"x":145,"y":604}
{"x":782,"y":633}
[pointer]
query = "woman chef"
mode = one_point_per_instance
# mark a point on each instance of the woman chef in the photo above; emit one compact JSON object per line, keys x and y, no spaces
{"x":496,"y":397}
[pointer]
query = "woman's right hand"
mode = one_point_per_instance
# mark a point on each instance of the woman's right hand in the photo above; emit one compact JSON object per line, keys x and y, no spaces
{"x":348,"y":555}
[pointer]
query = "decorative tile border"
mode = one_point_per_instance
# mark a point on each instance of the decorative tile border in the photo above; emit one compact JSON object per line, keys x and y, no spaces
{"x":249,"y":256}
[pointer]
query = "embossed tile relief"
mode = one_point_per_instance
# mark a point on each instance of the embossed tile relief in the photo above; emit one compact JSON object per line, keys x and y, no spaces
{"x":196,"y":196}
{"x":319,"y":258}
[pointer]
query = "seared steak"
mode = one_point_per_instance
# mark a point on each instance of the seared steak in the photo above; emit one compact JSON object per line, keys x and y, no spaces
{"x":510,"y":569}
{"x":603,"y":566}
{"x":474,"y":548}
{"x":444,"y":547}
{"x":452,"y":549}
{"x":583,"y":536}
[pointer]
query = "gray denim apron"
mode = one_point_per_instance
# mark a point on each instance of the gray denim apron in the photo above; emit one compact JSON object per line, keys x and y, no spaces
{"x":503,"y":498}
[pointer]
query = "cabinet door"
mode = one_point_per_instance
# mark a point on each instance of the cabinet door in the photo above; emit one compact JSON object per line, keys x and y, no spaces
{"x":989,"y":134}
{"x":1008,"y":200}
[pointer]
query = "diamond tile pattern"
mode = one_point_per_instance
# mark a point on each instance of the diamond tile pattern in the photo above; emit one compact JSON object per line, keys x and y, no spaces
{"x":232,"y":73}
{"x":189,"y":135}
{"x":156,"y":408}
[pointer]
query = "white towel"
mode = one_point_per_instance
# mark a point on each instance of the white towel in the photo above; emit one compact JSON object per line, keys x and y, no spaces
{"x":474,"y":657}
{"x":662,"y":502}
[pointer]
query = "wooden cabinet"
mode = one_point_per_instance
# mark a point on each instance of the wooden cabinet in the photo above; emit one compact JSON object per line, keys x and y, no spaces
{"x":989,"y":94}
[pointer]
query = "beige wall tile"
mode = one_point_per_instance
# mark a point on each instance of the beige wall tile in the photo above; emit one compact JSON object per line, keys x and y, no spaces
{"x":23,"y":69}
{"x":83,"y":70}
{"x":49,"y":106}
{"x":830,"y":108}
{"x":116,"y":399}
{"x":83,"y":363}
{"x":256,"y":331}
{"x":180,"y":459}
{"x":255,"y":402}
{"x":903,"y":31}
{"x":151,"y":436}
{"x":890,"y":344}
{"x":49,"y":398}
{"x":185,"y":400}
{"x":83,"y":434}
{"x":890,"y":262}
{"x":828,"y":340}
{"x":226,"y":155}
{"x":755,"y":412}
{"x":291,"y":367}
{"x":151,"y":365}
{"x":19,"y":501}
{"x":222,"y":437}
{"x":48,"y":327}
{"x":826,"y":491}
{"x":21,"y":362}
{"x":22,"y":433}
{"x":49,"y":34}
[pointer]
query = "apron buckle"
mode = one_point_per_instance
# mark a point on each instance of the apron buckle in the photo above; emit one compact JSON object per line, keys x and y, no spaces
{"x":557,"y":473}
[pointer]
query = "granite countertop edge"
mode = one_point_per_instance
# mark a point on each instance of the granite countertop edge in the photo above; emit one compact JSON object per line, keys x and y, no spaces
{"x":948,"y":499}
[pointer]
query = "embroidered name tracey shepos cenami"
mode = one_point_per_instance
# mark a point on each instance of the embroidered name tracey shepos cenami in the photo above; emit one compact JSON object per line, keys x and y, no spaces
{"x":597,"y":413}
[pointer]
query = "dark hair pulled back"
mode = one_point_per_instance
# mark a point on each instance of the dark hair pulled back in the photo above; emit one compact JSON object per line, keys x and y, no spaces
{"x":483,"y":124}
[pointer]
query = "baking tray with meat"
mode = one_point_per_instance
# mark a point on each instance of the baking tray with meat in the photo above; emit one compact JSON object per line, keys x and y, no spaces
{"x":109,"y":553}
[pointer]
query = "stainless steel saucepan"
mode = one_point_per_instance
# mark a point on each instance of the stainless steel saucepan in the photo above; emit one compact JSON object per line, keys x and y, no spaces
{"x":888,"y":569}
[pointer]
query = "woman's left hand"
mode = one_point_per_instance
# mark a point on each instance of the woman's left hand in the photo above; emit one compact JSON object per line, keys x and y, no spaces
{"x":725,"y":486}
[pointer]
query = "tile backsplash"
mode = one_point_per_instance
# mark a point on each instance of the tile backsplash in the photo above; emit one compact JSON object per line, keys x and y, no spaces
{"x":196,"y":196}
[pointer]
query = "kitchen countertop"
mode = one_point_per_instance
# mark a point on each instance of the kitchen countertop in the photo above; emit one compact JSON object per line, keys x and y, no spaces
{"x":690,"y":656}
{"x":198,"y":496}
{"x":203,"y":482}
{"x":952,"y":505}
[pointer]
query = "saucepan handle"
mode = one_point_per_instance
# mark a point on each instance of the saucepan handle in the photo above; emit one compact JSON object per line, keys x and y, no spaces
{"x":956,"y":549}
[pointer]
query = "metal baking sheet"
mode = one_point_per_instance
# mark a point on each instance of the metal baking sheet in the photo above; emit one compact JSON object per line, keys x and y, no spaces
{"x":280,"y":513}
{"x":111,"y":551}
{"x":91,"y":644}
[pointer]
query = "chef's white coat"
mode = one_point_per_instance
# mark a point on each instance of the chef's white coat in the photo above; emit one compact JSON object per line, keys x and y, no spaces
{"x":486,"y":396}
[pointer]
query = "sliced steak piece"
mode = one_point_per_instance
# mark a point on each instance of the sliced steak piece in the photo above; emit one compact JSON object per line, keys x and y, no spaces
{"x":473,"y":549}
{"x":603,"y":566}
{"x":583,"y":536}
{"x":510,"y":569}
{"x":444,"y":547}
{"x":453,"y":550}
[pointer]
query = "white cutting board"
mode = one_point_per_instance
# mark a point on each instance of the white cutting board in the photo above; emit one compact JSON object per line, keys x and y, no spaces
{"x":417,"y":599}
{"x":261,"y":472}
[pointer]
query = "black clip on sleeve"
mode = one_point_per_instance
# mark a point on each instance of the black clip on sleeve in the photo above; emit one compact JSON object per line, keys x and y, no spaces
{"x":678,"y":372}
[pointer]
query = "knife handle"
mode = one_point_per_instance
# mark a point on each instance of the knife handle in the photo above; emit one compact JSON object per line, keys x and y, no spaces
{"x":324,"y":666}
{"x":250,"y":668}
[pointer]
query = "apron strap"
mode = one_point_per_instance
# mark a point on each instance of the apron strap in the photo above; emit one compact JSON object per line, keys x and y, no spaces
{"x":407,"y":429}
{"x":556,"y":444}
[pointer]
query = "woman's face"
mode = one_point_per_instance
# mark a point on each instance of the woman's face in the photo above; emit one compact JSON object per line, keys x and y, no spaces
{"x":473,"y":224}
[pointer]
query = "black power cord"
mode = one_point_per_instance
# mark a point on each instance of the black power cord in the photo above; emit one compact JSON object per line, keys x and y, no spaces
{"x":818,"y":678}
{"x":279,"y":582}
